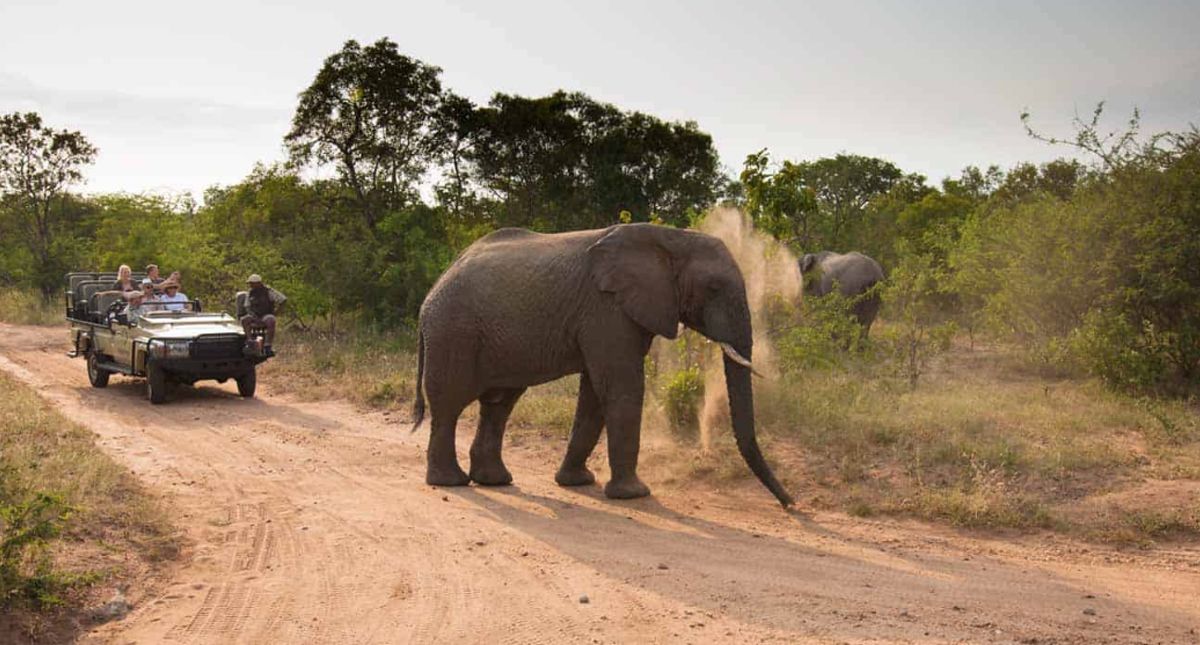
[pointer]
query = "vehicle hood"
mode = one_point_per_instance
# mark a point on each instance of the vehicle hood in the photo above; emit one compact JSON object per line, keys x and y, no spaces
{"x":190,"y":327}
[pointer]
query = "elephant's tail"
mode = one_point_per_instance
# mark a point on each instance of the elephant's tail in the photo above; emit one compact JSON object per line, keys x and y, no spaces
{"x":418,"y":409}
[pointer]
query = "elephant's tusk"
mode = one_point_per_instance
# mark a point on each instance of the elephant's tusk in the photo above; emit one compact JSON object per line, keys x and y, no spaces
{"x":738,"y":358}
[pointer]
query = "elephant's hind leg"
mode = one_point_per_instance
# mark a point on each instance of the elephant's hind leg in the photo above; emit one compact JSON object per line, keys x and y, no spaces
{"x":487,"y":466}
{"x":442,"y":467}
{"x":589,"y":421}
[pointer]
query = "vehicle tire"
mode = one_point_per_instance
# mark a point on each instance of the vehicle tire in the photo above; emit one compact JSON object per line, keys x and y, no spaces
{"x":156,"y":382}
{"x":247,"y":382}
{"x":97,"y":376}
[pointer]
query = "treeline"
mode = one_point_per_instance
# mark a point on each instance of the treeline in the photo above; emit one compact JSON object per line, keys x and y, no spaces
{"x":1092,"y":266}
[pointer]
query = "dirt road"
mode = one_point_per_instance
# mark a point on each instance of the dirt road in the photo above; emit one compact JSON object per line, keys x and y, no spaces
{"x":310,"y":523}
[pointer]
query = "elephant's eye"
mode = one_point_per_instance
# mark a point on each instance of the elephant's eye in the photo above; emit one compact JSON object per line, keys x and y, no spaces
{"x":713,"y":287}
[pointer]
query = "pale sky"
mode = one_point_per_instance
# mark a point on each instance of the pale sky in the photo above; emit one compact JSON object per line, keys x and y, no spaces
{"x":179,"y":96}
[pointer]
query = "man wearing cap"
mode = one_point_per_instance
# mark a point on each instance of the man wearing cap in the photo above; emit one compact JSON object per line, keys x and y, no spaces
{"x":261,"y":302}
{"x":134,"y":306}
{"x":176,"y":301}
{"x":148,"y":294}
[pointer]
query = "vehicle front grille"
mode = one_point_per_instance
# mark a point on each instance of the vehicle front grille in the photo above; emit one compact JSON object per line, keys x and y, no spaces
{"x":217,"y":346}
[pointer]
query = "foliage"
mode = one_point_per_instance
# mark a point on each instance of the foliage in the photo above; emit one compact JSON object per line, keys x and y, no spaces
{"x":27,"y":574}
{"x":28,"y":307}
{"x":370,"y":112}
{"x":37,"y":165}
{"x":1107,"y":278}
{"x":821,"y":204}
{"x":918,"y":328}
{"x":566,"y":161}
{"x":827,"y":335}
{"x":682,"y":396}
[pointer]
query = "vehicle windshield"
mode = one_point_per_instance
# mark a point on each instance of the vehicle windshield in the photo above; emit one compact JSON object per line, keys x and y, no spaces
{"x":171,"y":309}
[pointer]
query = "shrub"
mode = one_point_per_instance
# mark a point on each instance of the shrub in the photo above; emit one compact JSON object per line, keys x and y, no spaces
{"x":27,"y":307}
{"x":919,"y":329}
{"x":682,"y":396}
{"x":27,"y":574}
{"x":825,"y":337}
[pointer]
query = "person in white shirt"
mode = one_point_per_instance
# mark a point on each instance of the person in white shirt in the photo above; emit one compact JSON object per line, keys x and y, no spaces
{"x":175,"y":300}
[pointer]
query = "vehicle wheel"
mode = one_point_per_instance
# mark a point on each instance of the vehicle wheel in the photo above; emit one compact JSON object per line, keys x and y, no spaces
{"x":156,"y":382}
{"x":97,"y":376}
{"x":247,"y":382}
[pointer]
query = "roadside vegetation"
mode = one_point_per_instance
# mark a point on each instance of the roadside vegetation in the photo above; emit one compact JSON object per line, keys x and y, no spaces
{"x":1036,"y":363}
{"x":20,"y":306}
{"x":74,"y":526}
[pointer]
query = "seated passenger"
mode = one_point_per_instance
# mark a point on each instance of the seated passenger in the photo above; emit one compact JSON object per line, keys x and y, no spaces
{"x":152,"y":275}
{"x":124,"y":280}
{"x":134,"y":307}
{"x":171,"y":295}
{"x":149,"y":296}
{"x":261,"y":302}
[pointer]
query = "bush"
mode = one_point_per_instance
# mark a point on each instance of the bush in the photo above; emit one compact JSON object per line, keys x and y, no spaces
{"x":27,"y":307}
{"x":682,"y":396}
{"x":826,"y":336}
{"x":919,"y":329}
{"x":27,"y":574}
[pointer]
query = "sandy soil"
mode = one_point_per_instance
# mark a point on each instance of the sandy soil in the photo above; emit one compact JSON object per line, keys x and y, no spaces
{"x":310,"y":523}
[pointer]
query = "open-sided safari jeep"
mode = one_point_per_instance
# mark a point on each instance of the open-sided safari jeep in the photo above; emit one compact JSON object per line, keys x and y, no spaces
{"x":161,"y":345}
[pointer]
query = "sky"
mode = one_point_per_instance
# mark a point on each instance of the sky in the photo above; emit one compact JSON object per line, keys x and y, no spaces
{"x":182,"y":96}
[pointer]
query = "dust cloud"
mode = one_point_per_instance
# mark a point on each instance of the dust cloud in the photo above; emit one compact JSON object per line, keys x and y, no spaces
{"x":770,"y":272}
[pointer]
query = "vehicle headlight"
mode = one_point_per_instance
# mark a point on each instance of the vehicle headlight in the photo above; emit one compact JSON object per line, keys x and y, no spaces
{"x":169,"y":349}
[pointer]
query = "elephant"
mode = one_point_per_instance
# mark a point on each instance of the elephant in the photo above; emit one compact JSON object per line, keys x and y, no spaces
{"x":519,"y":308}
{"x":853,"y":273}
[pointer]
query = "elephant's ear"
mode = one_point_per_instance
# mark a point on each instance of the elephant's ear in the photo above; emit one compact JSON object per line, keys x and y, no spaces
{"x":629,"y":263}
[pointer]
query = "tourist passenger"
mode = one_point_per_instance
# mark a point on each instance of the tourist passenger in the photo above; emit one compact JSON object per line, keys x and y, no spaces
{"x":261,"y":302}
{"x":124,"y":280}
{"x":149,"y":297}
{"x":152,"y":274}
{"x":134,"y":306}
{"x":171,"y":295}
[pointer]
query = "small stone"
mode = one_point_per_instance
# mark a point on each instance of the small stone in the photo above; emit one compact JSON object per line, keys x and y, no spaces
{"x":116,"y":608}
{"x":663,"y":567}
{"x":1089,"y":612}
{"x":583,"y":600}
{"x":445,"y":498}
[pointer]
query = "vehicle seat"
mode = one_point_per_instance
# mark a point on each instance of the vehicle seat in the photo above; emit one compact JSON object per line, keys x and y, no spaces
{"x":101,"y":302}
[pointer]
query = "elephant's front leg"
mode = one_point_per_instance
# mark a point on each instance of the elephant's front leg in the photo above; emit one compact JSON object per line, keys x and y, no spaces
{"x":589,"y":421}
{"x":623,"y":416}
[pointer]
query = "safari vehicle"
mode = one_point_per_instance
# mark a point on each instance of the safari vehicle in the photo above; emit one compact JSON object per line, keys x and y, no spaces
{"x":161,"y":345}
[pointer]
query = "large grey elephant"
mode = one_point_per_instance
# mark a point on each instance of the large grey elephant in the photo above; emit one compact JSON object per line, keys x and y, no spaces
{"x":853,"y":273}
{"x":519,"y":308}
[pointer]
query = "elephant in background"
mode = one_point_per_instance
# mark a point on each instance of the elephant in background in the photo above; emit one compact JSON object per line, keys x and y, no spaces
{"x":853,"y":273}
{"x":519,"y":308}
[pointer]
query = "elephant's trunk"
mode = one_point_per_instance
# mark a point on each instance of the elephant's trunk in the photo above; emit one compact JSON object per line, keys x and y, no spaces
{"x":741,"y":411}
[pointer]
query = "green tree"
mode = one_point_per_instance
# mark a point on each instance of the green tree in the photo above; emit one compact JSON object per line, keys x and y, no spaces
{"x":780,"y":202}
{"x":370,"y":112}
{"x":565,"y":161}
{"x":37,"y":166}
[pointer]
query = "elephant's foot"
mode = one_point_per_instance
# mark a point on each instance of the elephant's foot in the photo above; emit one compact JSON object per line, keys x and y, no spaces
{"x":580,"y":476}
{"x":491,"y":474}
{"x":626,"y":488}
{"x":441,"y":476}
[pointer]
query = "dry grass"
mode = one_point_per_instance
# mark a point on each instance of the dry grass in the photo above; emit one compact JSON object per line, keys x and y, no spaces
{"x":27,"y":307}
{"x":118,"y":531}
